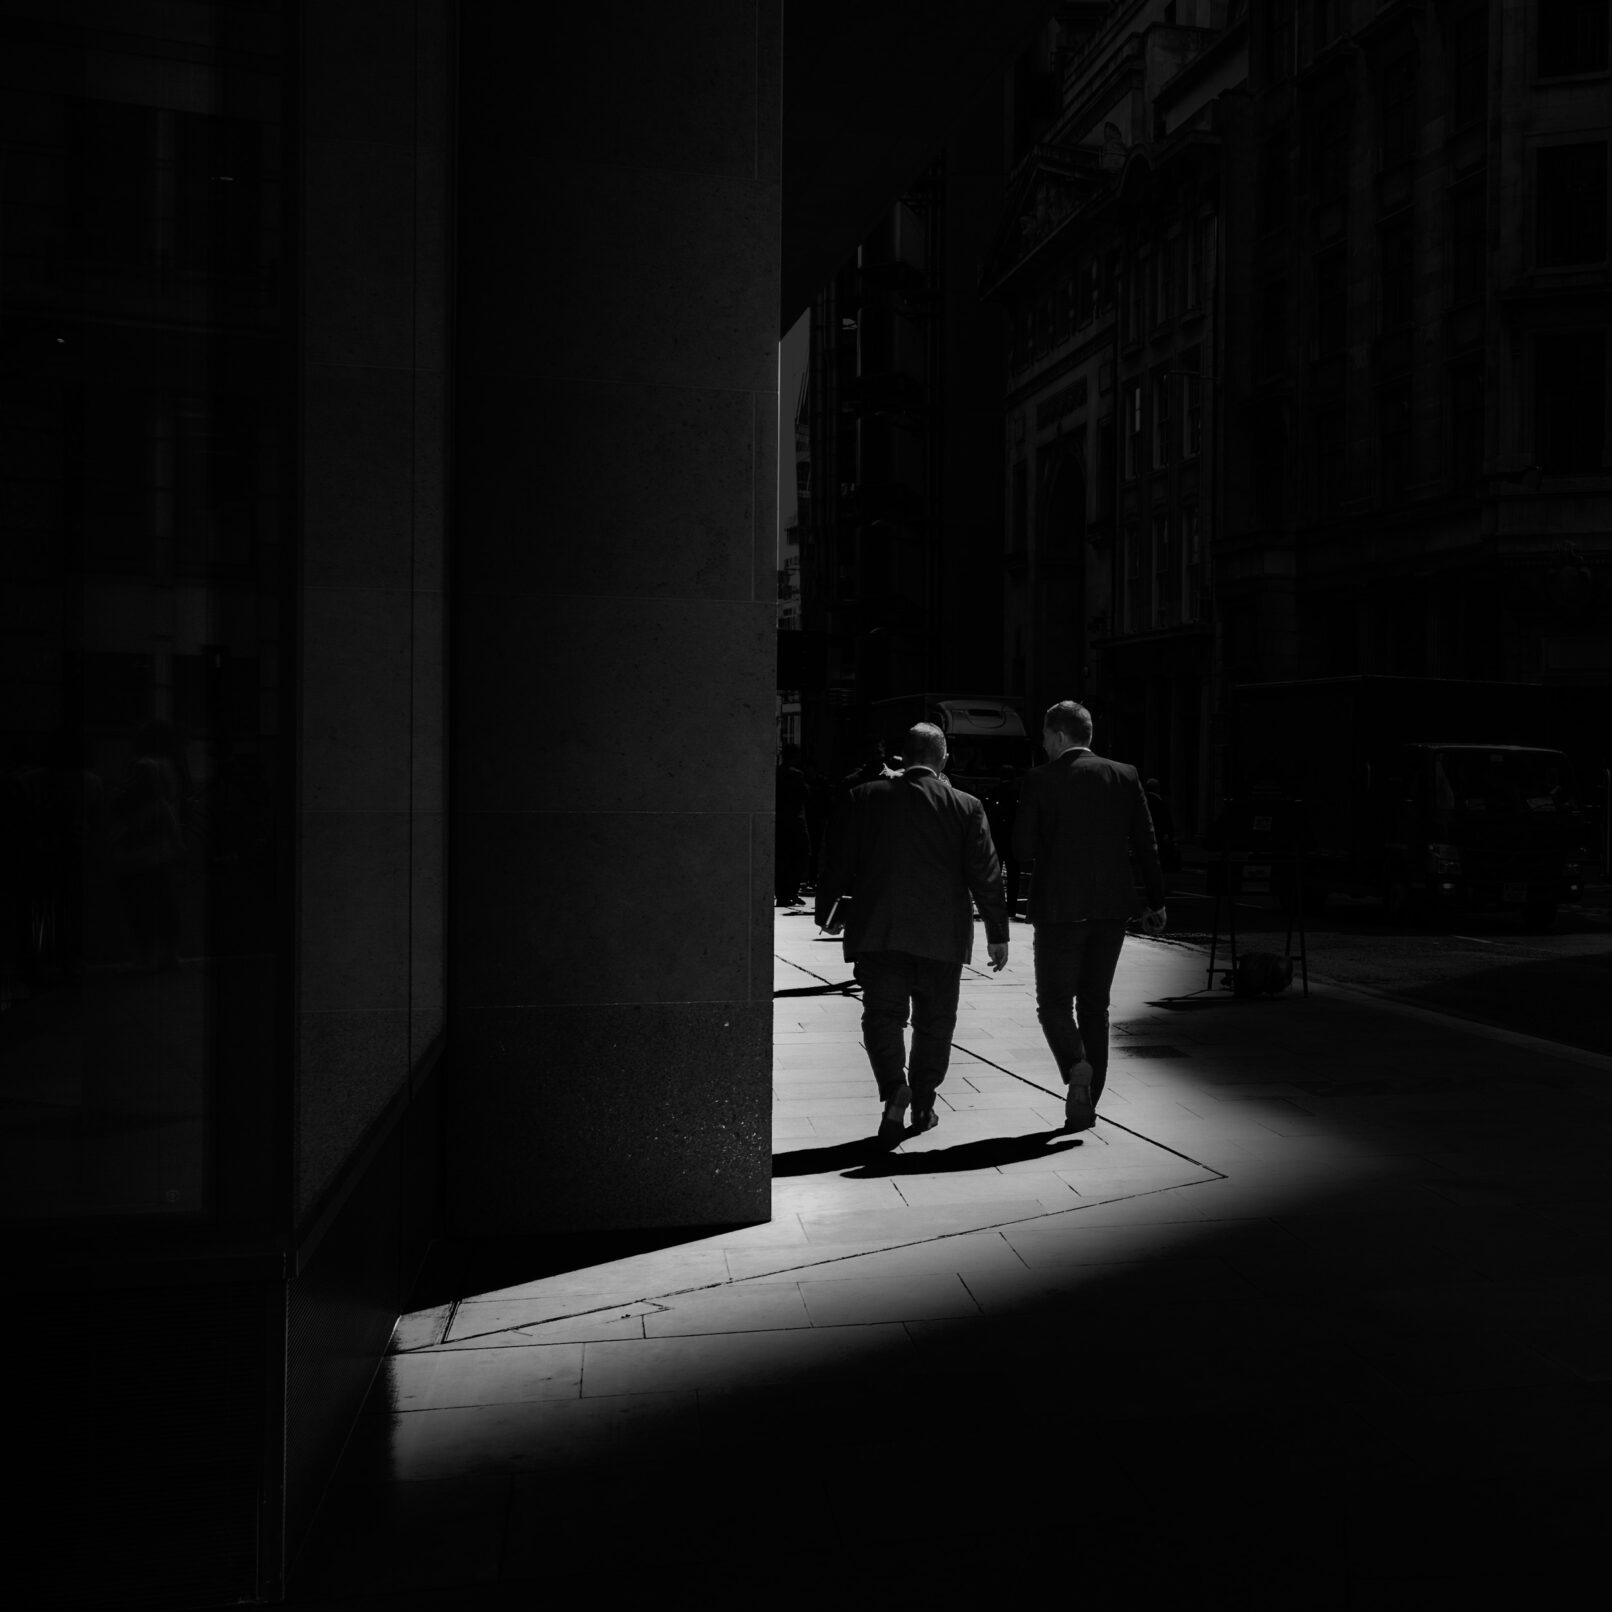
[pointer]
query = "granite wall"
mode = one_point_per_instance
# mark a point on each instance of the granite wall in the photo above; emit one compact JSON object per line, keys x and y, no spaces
{"x":614,"y":584}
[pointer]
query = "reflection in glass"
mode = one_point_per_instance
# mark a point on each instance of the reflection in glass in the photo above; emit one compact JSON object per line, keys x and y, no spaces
{"x":141,"y":567}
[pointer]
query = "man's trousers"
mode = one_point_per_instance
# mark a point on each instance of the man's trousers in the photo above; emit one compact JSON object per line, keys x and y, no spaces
{"x":892,"y":984}
{"x":1074,"y":972}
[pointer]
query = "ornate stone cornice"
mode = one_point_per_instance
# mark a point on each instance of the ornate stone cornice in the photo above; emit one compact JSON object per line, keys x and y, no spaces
{"x":1053,"y":185}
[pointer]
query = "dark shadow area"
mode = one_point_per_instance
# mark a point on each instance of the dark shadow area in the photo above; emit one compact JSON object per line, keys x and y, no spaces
{"x":843,"y":988}
{"x":1320,"y":1405}
{"x":987,"y":1153}
{"x":32,"y":1123}
{"x":824,"y":1160}
{"x":1559,"y":998}
{"x":1364,"y":917}
{"x":104,"y":1092}
{"x":866,"y":1158}
{"x":1363,"y":1381}
{"x":1486,"y":968}
{"x":460,"y":1268}
{"x":1218,"y":999}
{"x":1368,"y":917}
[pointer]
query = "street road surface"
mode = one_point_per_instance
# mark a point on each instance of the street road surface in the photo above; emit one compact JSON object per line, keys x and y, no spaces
{"x":1557,"y":984}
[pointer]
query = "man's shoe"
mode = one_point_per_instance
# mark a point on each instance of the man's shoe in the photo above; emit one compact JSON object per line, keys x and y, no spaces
{"x":1079,"y":1112}
{"x":894,"y":1124}
{"x":924,"y":1117}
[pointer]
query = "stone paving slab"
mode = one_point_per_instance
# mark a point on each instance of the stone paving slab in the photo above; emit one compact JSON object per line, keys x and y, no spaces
{"x":739,"y":1307}
{"x":960,"y":1254}
{"x":733,"y":1359}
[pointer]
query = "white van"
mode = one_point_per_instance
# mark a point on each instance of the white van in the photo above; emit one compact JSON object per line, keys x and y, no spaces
{"x":984,"y":734}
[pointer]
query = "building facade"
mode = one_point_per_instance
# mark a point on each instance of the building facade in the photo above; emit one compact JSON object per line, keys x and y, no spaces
{"x":1419,"y":472}
{"x":900,"y":510}
{"x":1422,"y":465}
{"x":1109,"y":266}
{"x":1308,"y":366}
{"x":222,"y":713}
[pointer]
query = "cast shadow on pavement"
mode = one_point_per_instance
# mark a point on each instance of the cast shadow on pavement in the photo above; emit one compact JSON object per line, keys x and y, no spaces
{"x":1197,"y":1001}
{"x":865,"y":1160}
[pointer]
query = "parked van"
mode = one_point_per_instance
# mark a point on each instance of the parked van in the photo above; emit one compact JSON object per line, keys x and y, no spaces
{"x":1438,"y":794}
{"x":984,"y":734}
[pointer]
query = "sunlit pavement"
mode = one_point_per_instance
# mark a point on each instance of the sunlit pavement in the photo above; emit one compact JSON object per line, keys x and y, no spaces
{"x":1318,"y":1316}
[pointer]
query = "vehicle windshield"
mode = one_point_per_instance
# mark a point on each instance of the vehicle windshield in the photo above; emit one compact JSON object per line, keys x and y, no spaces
{"x":1502,"y":781}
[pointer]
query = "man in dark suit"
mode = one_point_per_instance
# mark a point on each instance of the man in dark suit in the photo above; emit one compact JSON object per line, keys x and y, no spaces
{"x":909,"y":851}
{"x":1081,"y":819}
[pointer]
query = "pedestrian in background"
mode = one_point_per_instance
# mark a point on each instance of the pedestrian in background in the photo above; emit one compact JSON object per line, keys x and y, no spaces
{"x":871,"y":766}
{"x":1080,"y":820}
{"x":909,"y":852}
{"x":1001,"y":807}
{"x":791,"y":841}
{"x":1158,"y":805}
{"x":820,"y":801}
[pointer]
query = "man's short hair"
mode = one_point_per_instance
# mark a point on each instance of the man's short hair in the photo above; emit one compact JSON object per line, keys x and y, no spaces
{"x":1070,"y":719}
{"x":924,"y":745}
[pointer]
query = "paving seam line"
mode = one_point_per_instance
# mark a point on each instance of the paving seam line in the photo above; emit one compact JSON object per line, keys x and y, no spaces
{"x":817,"y":1264}
{"x":1218,"y":1175}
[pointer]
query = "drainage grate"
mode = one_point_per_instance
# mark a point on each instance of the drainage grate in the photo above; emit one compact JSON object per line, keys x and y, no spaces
{"x":1152,"y":1052}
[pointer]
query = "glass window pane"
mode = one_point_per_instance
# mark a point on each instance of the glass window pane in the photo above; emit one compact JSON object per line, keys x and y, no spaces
{"x":142,"y":746}
{"x":1572,"y":204}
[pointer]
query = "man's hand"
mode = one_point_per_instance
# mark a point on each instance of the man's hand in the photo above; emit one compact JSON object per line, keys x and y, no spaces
{"x":1153,"y":920}
{"x":999,"y":954}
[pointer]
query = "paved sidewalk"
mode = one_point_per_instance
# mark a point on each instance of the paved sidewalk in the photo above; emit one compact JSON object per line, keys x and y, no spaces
{"x":1318,"y":1316}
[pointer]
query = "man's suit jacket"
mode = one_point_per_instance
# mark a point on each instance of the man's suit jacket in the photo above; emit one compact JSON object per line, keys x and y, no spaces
{"x":909,"y":851}
{"x":1081,"y":818}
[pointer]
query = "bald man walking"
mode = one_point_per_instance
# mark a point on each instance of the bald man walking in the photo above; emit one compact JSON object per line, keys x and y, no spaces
{"x":910,"y":851}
